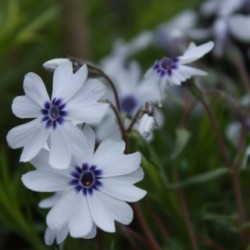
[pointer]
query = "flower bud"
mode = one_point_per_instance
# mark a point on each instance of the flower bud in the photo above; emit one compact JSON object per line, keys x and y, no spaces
{"x":146,"y":125}
{"x":52,"y":64}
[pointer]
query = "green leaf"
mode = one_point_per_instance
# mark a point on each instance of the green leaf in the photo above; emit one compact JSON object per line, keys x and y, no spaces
{"x":182,"y":138}
{"x":202,"y":177}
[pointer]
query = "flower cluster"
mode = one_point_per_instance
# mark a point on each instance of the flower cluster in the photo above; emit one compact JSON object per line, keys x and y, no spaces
{"x":91,"y":186}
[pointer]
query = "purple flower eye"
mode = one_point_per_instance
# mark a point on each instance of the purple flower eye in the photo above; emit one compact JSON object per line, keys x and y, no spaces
{"x":128,"y":104}
{"x":54,"y":113}
{"x":86,"y":178}
{"x":166,"y":66}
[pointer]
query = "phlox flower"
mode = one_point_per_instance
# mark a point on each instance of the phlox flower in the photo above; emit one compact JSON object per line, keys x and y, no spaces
{"x":73,"y":101}
{"x":94,"y":189}
{"x":173,"y":71}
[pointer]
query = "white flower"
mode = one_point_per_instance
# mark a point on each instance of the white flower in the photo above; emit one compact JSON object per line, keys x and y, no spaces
{"x":174,"y":71}
{"x":222,"y":7}
{"x":73,"y":101}
{"x":224,"y":28}
{"x":94,"y":188}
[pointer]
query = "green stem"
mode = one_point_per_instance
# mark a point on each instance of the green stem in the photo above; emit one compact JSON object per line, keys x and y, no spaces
{"x":235,"y":176}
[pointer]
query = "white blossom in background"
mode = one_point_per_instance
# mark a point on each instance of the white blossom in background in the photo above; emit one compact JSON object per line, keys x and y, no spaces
{"x":133,"y":90}
{"x":122,"y":51}
{"x":222,"y":7}
{"x":228,"y":24}
{"x":173,"y":71}
{"x":173,"y":35}
{"x":94,"y":189}
{"x":73,"y":101}
{"x":234,"y":128}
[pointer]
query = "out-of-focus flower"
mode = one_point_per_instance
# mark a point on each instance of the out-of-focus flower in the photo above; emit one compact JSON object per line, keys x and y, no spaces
{"x":133,"y":90}
{"x":173,"y":36}
{"x":73,"y":101}
{"x":174,"y":71}
{"x":222,"y":7}
{"x":146,"y":125}
{"x":94,"y":189}
{"x":227,"y":24}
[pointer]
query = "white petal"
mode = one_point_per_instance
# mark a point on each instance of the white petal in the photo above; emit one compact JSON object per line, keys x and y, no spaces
{"x":65,"y":83}
{"x":50,"y":201}
{"x":60,"y":214}
{"x":37,"y":141}
{"x":175,"y":78}
{"x":91,"y":114}
{"x":45,"y":181}
{"x":118,"y":209}
{"x":60,"y":155}
{"x":240,"y":27}
{"x":61,"y":235}
{"x":80,"y":223}
{"x":90,"y":147}
{"x":109,"y":148}
{"x":92,"y":233}
{"x":122,"y":191}
{"x":41,"y":161}
{"x":100,"y":213}
{"x":66,"y":140}
{"x":187,"y":72}
{"x":194,"y":52}
{"x":109,"y":156}
{"x":34,"y":88}
{"x":84,"y":106}
{"x":24,"y":107}
{"x":92,"y":91}
{"x":131,"y":178}
{"x":32,"y":136}
{"x":19,"y":136}
{"x":49,"y":236}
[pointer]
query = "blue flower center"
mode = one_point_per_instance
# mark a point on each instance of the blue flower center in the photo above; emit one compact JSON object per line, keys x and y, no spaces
{"x":54,"y":113}
{"x":166,"y":66}
{"x":128,"y":104}
{"x":86,"y":179}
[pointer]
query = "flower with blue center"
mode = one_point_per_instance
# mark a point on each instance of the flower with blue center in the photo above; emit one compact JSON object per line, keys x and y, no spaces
{"x":173,"y":71}
{"x":92,"y":192}
{"x":74,"y":100}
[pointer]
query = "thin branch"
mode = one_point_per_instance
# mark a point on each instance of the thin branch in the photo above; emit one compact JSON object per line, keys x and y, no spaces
{"x":152,"y":243}
{"x":112,"y":85}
